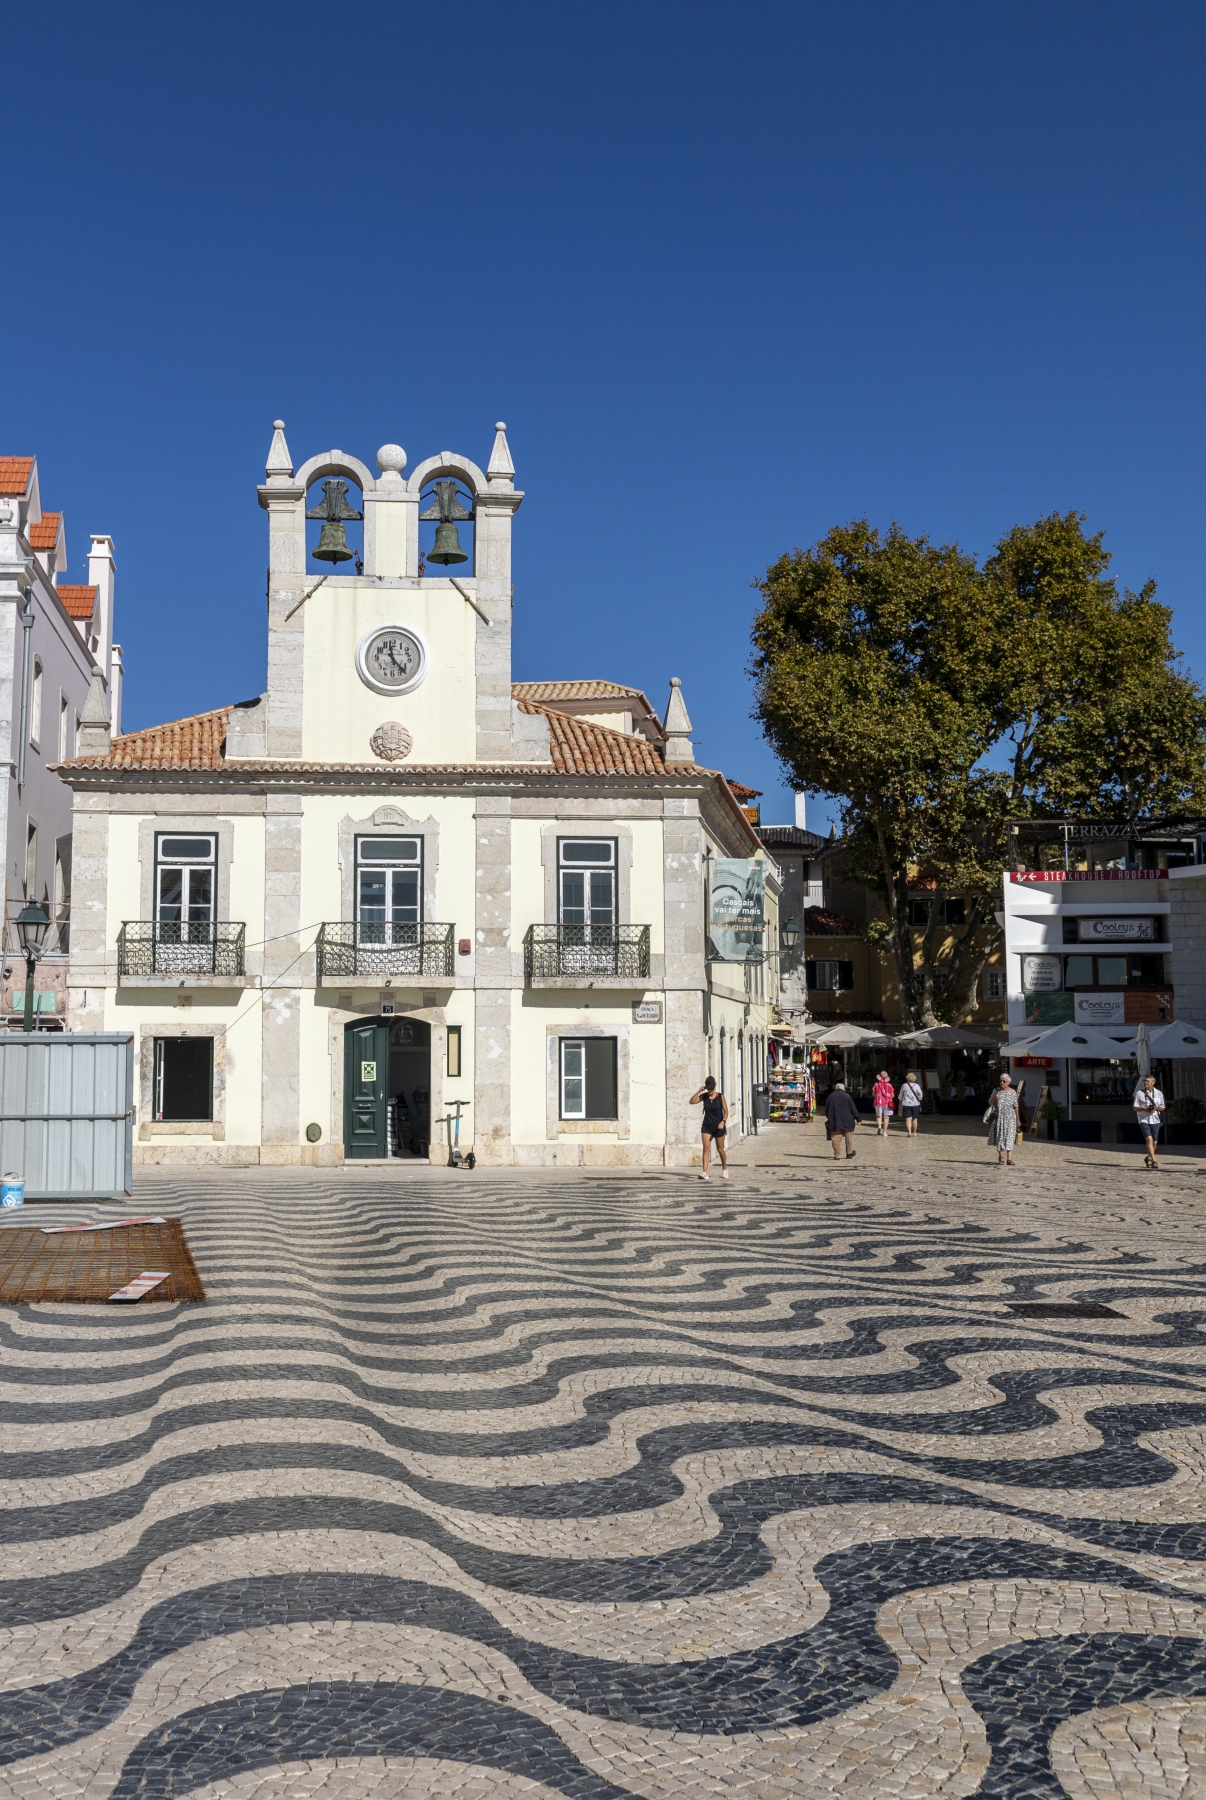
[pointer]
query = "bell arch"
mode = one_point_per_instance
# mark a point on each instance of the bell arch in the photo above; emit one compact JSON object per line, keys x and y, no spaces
{"x":447,"y":463}
{"x":335,"y":462}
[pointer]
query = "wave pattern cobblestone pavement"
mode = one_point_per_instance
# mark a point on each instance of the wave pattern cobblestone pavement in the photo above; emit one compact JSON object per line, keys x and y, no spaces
{"x":612,"y":1486}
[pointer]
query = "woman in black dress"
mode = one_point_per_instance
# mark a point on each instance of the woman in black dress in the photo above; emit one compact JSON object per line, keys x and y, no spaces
{"x":714,"y":1126}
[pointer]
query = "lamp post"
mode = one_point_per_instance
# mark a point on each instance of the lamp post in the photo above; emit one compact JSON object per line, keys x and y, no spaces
{"x":32,"y":926}
{"x":789,"y":936}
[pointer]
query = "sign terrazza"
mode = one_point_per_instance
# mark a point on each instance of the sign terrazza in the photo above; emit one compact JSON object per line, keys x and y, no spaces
{"x":1088,"y":874}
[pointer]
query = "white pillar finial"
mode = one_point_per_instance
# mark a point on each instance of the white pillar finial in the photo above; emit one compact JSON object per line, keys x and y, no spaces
{"x":677,"y":726}
{"x":500,"y":471}
{"x":95,"y":734}
{"x":279,"y":460}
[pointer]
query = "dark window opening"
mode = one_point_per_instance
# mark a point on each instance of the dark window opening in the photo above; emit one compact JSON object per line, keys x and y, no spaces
{"x":829,"y":975}
{"x":184,"y":1078}
{"x":950,"y":912}
{"x":588,"y":1078}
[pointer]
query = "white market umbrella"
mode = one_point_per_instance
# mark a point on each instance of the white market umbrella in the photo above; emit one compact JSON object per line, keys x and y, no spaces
{"x":1176,"y":1039}
{"x":1143,"y":1052}
{"x":1072,"y":1040}
{"x":948,"y":1037}
{"x":853,"y":1037}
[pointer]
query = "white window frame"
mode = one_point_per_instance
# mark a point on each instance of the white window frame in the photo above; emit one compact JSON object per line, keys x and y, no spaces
{"x":187,"y":864}
{"x":64,"y":725}
{"x":573,"y":1103}
{"x":568,"y":864}
{"x":995,"y":987}
{"x":35,"y":705}
{"x":834,"y":984}
{"x":389,"y":863}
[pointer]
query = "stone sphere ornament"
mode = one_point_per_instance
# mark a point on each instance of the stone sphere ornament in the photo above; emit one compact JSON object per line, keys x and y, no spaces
{"x":391,"y":459}
{"x":391,"y":741}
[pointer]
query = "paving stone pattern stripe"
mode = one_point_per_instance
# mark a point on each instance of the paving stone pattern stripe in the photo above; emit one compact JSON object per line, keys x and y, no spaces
{"x":675,"y":1465}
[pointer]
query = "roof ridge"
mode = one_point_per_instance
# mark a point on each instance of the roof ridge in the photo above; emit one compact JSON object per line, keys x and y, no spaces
{"x":168,"y":724}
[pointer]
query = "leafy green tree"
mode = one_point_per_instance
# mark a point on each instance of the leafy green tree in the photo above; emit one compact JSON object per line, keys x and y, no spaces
{"x":937,"y":699}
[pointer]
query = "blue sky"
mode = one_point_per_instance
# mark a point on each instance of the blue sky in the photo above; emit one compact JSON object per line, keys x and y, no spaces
{"x":730,"y":274}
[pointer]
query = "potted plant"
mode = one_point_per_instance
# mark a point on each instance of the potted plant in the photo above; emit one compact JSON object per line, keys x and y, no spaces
{"x":1051,"y":1110}
{"x":1186,"y":1120}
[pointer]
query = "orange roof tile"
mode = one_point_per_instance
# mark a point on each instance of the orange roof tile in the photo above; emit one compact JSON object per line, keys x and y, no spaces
{"x":78,"y":599}
{"x":14,"y":473}
{"x":45,"y":534}
{"x":581,"y":748}
{"x":578,"y":748}
{"x":196,"y":743}
{"x":574,"y":690}
{"x":744,"y":793}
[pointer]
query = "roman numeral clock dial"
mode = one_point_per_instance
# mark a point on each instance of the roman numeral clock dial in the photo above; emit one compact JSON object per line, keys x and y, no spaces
{"x":392,"y":659}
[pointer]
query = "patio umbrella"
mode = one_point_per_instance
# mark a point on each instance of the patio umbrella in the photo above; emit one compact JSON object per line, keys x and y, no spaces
{"x":1143,"y":1052}
{"x":1176,"y":1039}
{"x":1073,"y":1040}
{"x":853,"y":1037}
{"x":948,"y":1037}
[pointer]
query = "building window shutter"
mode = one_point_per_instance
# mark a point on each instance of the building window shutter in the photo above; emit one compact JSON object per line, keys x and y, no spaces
{"x":845,"y":975}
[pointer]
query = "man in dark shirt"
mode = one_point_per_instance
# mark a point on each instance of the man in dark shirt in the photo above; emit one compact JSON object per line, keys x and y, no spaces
{"x":841,"y":1115}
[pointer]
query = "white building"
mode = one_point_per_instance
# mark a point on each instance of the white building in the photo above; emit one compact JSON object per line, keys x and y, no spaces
{"x":395,"y":880}
{"x":58,"y":661}
{"x":1091,"y":941}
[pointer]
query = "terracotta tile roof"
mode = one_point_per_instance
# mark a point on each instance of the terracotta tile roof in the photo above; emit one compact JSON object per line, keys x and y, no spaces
{"x":819,"y":923}
{"x":79,"y":600}
{"x":195,"y":743}
{"x":14,"y":473}
{"x":574,"y":690}
{"x":582,"y":748}
{"x":45,"y":534}
{"x":578,"y":748}
{"x":744,"y":793}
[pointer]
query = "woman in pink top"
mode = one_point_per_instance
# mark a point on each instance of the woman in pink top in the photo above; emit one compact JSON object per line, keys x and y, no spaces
{"x":884,"y":1096}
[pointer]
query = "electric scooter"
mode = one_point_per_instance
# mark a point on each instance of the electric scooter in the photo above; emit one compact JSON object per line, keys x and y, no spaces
{"x":456,"y":1158}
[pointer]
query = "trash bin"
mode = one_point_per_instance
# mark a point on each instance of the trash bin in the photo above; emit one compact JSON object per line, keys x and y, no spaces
{"x":761,"y":1102}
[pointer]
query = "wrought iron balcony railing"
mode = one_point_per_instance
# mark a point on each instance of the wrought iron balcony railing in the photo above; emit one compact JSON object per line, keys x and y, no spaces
{"x":183,"y":947}
{"x":370,"y":951}
{"x":553,"y":951}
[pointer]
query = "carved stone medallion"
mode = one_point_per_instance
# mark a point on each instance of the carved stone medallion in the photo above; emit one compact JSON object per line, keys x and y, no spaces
{"x":391,"y":742}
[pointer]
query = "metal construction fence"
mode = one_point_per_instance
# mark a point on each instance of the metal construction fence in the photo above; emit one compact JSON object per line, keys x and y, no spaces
{"x":67,"y":1112}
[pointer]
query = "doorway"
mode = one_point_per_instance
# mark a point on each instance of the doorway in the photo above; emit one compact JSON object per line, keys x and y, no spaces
{"x":409,"y":1119}
{"x":387,"y":1088}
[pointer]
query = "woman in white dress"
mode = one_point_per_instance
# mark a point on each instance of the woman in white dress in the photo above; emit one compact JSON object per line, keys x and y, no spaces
{"x":1002,"y":1115}
{"x":1149,"y":1110}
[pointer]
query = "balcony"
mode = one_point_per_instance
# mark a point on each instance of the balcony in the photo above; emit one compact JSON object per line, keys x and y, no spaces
{"x":158,"y":950}
{"x":586,"y":955}
{"x":373,"y":952}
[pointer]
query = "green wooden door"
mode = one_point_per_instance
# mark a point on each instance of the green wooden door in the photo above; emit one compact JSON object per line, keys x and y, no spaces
{"x":365,"y":1076}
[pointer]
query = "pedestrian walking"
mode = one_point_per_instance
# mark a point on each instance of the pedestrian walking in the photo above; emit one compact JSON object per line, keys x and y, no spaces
{"x":841,"y":1116}
{"x":1149,"y":1110}
{"x":715,"y":1125}
{"x":883,"y":1094}
{"x":1001,"y":1117}
{"x":908,"y":1102}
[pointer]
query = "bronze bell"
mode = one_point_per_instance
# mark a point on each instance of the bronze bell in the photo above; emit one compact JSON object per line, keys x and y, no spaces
{"x":332,"y":546}
{"x":447,"y":547}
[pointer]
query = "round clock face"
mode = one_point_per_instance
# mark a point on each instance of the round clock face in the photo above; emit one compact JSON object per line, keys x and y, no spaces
{"x":392,"y":659}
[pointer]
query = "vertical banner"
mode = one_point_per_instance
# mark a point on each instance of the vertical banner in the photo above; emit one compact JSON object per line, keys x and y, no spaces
{"x":738,"y":911}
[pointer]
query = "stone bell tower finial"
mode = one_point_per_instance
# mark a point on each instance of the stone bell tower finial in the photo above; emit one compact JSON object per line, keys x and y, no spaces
{"x":280,"y":463}
{"x":500,"y":471}
{"x":677,"y":726}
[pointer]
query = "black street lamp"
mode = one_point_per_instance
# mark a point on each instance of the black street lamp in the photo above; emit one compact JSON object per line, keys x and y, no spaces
{"x":32,"y":926}
{"x":790,"y":935}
